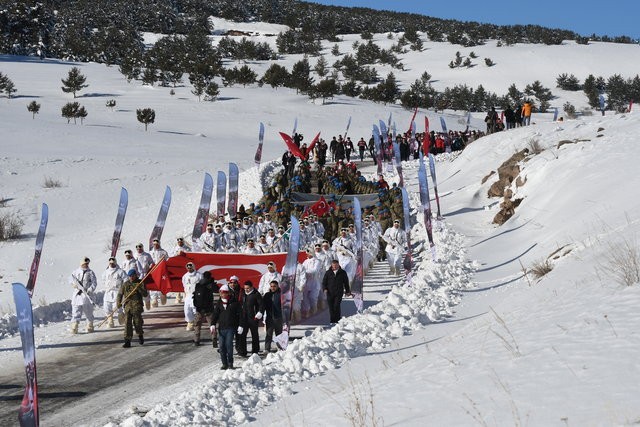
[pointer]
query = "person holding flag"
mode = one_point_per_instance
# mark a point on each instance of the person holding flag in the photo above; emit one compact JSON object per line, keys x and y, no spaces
{"x":131,"y":296}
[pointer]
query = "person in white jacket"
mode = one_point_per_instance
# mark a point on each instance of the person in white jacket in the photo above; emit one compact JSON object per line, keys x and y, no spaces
{"x":144,"y":262}
{"x":314,"y":272}
{"x":343,"y":245}
{"x":189,"y":280}
{"x":113,"y":278}
{"x":270,"y":275}
{"x":83,"y":281}
{"x":157,"y":254}
{"x":129,"y":262}
{"x":396,"y":239}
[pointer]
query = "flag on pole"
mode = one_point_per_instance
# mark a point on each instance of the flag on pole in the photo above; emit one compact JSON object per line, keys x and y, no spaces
{"x":292,"y":146}
{"x":443,"y":124}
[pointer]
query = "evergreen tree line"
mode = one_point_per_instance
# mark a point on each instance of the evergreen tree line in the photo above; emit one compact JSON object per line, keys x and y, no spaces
{"x":110,"y":30}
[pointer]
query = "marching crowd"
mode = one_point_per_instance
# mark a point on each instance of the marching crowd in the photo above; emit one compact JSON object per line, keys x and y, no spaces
{"x":205,"y":299}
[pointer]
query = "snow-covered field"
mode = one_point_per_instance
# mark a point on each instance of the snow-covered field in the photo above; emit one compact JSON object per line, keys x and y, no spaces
{"x":471,"y":341}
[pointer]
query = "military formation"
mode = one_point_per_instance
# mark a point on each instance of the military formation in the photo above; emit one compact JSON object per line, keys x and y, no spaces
{"x":233,"y":311}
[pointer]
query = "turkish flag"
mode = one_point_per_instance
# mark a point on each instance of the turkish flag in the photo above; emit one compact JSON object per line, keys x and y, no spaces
{"x":159,"y":280}
{"x":167,"y":276}
{"x":292,"y":146}
{"x":313,"y":143}
{"x":320,"y":208}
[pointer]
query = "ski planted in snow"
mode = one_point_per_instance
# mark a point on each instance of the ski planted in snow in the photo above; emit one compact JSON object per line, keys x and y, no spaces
{"x":357,"y":289}
{"x":377,"y":139}
{"x":346,"y":131}
{"x":156,"y":233}
{"x":426,"y":204}
{"x":33,"y":271}
{"x":203,"y":209}
{"x":397,"y":162}
{"x":28,"y":414}
{"x":407,"y":263}
{"x":258,"y":156}
{"x":117,"y":230}
{"x":287,"y":286}
{"x":233,"y":190}
{"x":432,"y":169}
{"x":221,"y":193}
{"x":443,"y":124}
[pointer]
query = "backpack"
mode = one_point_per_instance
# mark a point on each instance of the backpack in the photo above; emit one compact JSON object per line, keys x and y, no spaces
{"x":203,"y":298}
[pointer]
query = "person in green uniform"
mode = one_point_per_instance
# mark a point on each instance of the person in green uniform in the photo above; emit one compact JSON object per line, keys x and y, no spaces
{"x":130,"y":296}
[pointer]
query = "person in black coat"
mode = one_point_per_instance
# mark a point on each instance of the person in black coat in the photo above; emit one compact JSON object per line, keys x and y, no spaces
{"x":226,"y":314}
{"x":203,"y":299}
{"x":335,"y":284}
{"x":250,"y":318}
{"x":273,"y":312}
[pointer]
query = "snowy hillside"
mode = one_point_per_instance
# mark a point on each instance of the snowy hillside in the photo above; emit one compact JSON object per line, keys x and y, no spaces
{"x":495,"y":347}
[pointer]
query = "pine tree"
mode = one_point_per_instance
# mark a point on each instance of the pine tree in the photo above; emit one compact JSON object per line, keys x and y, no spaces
{"x":276,"y":76}
{"x":9,"y":88}
{"x":212,"y":91}
{"x":246,"y":76}
{"x":75,"y":82}
{"x":326,"y":88}
{"x":82,"y":114}
{"x":146,"y":116}
{"x":111,"y":104}
{"x":321,"y":66}
{"x":199,"y":84}
{"x":489,"y":62}
{"x":33,"y":108}
{"x":300,"y":76}
{"x":70,"y":111}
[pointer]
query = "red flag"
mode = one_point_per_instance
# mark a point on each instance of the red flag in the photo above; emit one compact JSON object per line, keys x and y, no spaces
{"x":426,"y":140}
{"x":320,"y":207}
{"x":412,"y":119}
{"x":292,"y":146}
{"x":313,"y":143}
{"x":159,"y":278}
{"x":167,"y":276}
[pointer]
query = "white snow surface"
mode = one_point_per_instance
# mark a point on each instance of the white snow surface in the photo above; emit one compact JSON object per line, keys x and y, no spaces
{"x":469,"y":340}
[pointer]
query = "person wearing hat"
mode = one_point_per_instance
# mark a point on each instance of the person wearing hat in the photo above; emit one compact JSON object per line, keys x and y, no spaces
{"x":180,"y":247}
{"x":235,"y":289}
{"x":226,"y":314}
{"x":211,"y":239}
{"x":335,"y":285}
{"x":130,"y":297}
{"x":396,"y":239}
{"x":189,"y":280}
{"x":113,"y":278}
{"x":343,"y":246}
{"x":83,"y":281}
{"x":313,"y":269}
{"x":144,"y":263}
{"x":157,"y":254}
{"x":250,"y":317}
{"x":262,"y":244}
{"x":129,"y":261}
{"x":268,"y":277}
{"x":251,"y":248}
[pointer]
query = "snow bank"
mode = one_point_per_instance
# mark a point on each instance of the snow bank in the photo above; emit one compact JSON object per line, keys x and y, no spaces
{"x":230,"y":397}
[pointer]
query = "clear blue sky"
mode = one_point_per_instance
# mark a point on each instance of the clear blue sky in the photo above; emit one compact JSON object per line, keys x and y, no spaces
{"x":613,"y":17}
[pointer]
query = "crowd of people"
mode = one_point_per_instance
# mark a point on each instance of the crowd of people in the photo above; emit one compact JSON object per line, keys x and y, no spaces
{"x":233,"y":310}
{"x":509,"y":119}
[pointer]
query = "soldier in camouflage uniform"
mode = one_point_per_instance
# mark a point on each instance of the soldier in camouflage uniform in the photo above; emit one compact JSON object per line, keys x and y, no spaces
{"x":131,"y":296}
